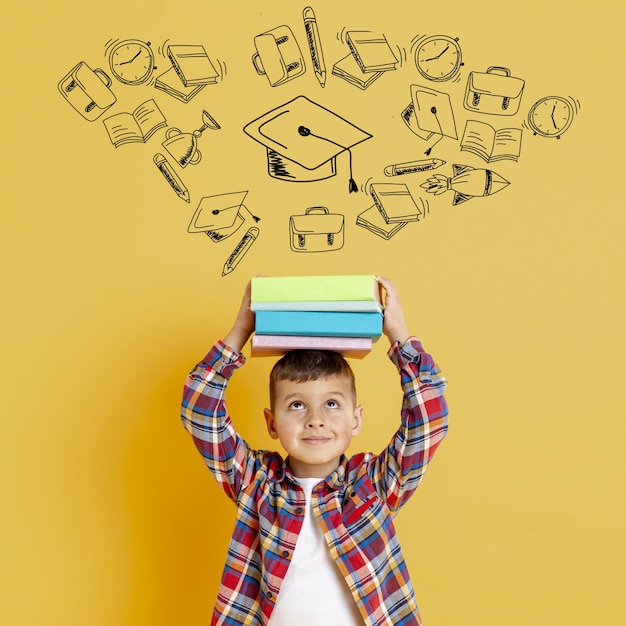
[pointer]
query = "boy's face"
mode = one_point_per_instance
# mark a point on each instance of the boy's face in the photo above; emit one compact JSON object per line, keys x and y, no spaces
{"x":315,"y":421}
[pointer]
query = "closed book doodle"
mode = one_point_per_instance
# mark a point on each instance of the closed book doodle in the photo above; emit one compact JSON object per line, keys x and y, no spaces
{"x":192,"y":64}
{"x":319,"y":323}
{"x":373,"y":220}
{"x":395,"y":203}
{"x":371,"y":50}
{"x":348,"y":69}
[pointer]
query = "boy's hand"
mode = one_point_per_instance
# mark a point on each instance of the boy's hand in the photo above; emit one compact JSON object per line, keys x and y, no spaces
{"x":243,"y":326}
{"x":394,"y":326}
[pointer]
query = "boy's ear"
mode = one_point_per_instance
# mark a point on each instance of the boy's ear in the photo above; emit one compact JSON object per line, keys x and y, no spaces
{"x":269,"y":422}
{"x":358,"y":420}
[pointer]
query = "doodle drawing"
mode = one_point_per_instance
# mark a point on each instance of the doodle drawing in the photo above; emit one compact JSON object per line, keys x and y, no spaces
{"x":171,"y":176}
{"x":466,"y":182}
{"x":135,"y":127}
{"x":490,"y":144}
{"x":315,"y":44}
{"x":278,"y":56}
{"x":304,"y":139}
{"x":317,"y":230}
{"x":495,"y":92}
{"x":87,"y":91}
{"x":240,"y":250}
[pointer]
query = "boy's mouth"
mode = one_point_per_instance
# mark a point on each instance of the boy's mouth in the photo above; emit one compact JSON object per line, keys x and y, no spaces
{"x":316,"y":441}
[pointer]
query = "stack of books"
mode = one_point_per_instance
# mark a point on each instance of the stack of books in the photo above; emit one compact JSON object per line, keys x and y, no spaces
{"x":340,"y":313}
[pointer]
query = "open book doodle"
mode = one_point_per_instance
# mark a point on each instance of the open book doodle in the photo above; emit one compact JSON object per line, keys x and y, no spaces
{"x":135,"y":127}
{"x":490,"y":144}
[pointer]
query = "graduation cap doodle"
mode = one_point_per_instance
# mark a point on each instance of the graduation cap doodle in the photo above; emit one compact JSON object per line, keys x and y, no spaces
{"x":220,"y":216}
{"x":304,"y":139}
{"x":430,"y":114}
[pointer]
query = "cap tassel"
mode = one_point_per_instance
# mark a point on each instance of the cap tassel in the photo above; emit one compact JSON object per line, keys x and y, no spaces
{"x":352,"y":186}
{"x":306,"y":132}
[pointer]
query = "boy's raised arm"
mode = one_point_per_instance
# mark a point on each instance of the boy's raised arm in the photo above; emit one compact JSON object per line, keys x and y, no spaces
{"x":243,"y":326}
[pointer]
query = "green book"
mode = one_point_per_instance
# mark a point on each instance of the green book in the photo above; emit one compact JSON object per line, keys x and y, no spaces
{"x":340,"y":288}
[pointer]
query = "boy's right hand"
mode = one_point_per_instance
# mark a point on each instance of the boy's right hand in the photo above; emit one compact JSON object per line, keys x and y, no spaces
{"x":243,"y":326}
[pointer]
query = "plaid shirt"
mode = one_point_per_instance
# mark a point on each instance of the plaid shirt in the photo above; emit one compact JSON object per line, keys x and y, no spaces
{"x":354,"y":505}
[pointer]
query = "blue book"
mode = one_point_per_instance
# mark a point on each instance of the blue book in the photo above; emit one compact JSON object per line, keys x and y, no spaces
{"x":319,"y":323}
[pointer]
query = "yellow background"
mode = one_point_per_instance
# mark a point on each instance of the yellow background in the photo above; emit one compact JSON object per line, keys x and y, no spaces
{"x":108,"y":514}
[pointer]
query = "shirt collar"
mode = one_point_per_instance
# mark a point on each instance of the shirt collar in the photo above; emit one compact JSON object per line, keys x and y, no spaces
{"x":336,"y":480}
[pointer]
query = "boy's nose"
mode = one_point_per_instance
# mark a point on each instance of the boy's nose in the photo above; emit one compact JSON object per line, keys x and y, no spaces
{"x":315,"y":420}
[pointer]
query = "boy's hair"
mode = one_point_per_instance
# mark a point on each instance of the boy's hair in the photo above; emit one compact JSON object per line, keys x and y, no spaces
{"x":303,"y":365}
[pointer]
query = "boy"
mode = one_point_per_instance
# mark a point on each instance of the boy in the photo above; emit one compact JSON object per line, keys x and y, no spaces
{"x":314,"y":542}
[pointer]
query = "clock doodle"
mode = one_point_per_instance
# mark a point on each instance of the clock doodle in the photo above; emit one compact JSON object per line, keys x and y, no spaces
{"x":132,"y":61}
{"x":551,"y":116}
{"x":438,"y":57}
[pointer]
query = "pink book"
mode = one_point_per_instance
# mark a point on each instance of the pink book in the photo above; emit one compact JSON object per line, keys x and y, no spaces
{"x":277,"y":345}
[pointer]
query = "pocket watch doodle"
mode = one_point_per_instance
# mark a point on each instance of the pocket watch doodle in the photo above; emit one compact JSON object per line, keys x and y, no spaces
{"x":438,"y":57}
{"x":131,"y":61}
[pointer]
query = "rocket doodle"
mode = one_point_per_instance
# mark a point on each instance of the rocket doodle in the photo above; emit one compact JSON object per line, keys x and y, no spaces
{"x":466,"y":182}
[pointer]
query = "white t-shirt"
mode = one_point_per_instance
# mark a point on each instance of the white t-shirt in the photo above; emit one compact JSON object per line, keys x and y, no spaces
{"x":314,"y":593}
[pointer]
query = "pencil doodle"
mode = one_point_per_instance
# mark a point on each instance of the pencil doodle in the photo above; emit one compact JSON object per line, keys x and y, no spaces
{"x":495,"y":92}
{"x":551,"y":116}
{"x":315,"y":44}
{"x":467,"y":182}
{"x":170,"y":175}
{"x":87,"y":91}
{"x":240,"y":250}
{"x":437,"y":57}
{"x":412,"y":167}
{"x":304,"y":139}
{"x":131,"y":61}
{"x":278,"y":55}
{"x":317,"y":230}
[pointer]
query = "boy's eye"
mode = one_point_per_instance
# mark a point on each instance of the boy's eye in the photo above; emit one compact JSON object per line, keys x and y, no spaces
{"x":332,"y":404}
{"x":297,"y":405}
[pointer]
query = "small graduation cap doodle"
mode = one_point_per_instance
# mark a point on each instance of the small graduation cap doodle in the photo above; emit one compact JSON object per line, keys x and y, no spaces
{"x":429,"y":114}
{"x":220,"y":216}
{"x":466,"y":182}
{"x":303,"y":140}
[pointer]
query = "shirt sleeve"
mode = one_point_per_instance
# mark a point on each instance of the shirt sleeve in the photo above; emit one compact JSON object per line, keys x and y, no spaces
{"x":399,"y":469}
{"x":204,"y":415}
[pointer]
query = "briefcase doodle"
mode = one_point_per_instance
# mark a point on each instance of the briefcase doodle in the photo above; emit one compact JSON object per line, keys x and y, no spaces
{"x":278,"y":55}
{"x":87,"y":91}
{"x":316,"y":231}
{"x":495,"y":92}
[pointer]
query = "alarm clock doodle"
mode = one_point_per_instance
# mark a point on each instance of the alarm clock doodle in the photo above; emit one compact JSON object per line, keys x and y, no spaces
{"x":551,"y":116}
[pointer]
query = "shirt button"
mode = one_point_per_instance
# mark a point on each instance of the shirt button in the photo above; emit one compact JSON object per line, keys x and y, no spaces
{"x":285,"y":553}
{"x":299,"y":511}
